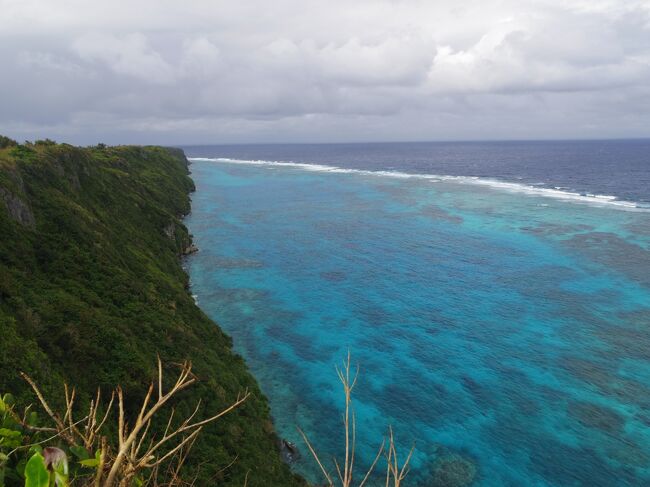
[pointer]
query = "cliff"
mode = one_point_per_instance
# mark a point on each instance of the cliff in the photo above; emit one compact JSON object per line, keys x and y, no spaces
{"x":92,"y":288}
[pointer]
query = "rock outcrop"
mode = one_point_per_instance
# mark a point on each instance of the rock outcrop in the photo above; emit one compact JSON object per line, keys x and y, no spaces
{"x":17,"y":208}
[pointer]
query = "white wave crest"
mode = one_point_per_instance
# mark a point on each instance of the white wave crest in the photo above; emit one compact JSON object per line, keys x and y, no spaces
{"x":556,"y":193}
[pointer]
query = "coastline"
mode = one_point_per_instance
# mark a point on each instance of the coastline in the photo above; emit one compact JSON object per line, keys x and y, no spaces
{"x":93,"y":290}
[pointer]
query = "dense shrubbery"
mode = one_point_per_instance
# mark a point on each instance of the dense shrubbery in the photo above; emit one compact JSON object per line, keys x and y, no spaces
{"x":91,"y":289}
{"x":6,"y":142}
{"x":76,"y":448}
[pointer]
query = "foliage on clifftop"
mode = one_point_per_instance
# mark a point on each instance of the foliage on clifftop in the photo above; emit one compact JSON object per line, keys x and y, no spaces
{"x":92,"y":288}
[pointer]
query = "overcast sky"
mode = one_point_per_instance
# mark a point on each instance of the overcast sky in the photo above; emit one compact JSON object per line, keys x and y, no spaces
{"x":189,"y":71}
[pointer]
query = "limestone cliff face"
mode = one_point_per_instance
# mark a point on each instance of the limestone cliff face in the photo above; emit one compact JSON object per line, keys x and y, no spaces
{"x":177,"y":232}
{"x":12,"y":196}
{"x":17,"y":208}
{"x":92,"y":291}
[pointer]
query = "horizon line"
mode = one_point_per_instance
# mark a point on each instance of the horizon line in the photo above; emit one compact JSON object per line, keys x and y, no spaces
{"x":440,"y":141}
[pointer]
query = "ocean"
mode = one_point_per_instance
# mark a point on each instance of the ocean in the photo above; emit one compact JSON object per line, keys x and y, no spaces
{"x":495,"y":297}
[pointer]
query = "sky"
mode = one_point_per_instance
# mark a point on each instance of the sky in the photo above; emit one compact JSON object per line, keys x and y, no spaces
{"x":209,"y":71}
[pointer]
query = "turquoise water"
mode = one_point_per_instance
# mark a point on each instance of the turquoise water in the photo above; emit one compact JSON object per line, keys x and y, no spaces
{"x":502,"y":329}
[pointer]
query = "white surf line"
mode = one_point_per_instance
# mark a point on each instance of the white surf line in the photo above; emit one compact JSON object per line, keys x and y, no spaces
{"x":560,"y":194}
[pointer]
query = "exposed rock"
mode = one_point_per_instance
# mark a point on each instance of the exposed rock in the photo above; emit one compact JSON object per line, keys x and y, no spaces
{"x":178,"y":153}
{"x":289,"y":451}
{"x":170,"y":230}
{"x":190,"y":249}
{"x":73,"y":177}
{"x":17,"y":208}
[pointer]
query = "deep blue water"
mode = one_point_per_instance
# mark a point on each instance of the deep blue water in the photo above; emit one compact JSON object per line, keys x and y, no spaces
{"x":618,"y":168}
{"x":502,"y":326}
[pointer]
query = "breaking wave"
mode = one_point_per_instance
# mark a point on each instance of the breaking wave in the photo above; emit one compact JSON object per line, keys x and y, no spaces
{"x":556,"y":192}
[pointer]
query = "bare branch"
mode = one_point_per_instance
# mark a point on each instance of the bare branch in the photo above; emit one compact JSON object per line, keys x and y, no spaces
{"x":63,"y":431}
{"x":346,"y":470}
{"x":315,"y":455}
{"x":128,"y":460}
{"x":372,"y":467}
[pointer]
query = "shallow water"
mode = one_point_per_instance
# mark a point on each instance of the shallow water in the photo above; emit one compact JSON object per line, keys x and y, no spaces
{"x":506,"y":329}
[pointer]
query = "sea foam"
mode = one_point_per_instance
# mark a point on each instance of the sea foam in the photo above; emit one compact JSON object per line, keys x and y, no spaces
{"x":555,"y":193}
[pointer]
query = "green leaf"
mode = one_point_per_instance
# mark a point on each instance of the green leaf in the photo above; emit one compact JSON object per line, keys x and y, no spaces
{"x":80,"y":452}
{"x":36,"y":475}
{"x":20,"y":467}
{"x":90,"y":462}
{"x":32,"y":419}
{"x":8,"y":400}
{"x":60,"y":479}
{"x":7,"y":433}
{"x":35,"y":449}
{"x":10,"y":438}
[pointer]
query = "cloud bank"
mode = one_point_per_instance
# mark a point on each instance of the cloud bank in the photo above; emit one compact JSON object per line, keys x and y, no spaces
{"x":164,"y":71}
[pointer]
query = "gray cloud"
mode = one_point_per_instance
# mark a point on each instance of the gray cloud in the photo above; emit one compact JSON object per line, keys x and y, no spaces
{"x":208,"y":71}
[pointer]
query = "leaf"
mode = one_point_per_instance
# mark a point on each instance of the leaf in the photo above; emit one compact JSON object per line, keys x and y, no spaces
{"x":35,"y":449}
{"x":32,"y":419}
{"x":80,"y":452}
{"x":8,"y":400}
{"x":61,"y":480}
{"x":20,"y":467}
{"x":90,"y":462}
{"x":10,"y":438}
{"x":36,"y":475}
{"x":7,"y":433}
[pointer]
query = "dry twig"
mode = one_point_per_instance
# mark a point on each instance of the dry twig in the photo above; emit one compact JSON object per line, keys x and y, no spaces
{"x":132,"y":457}
{"x":346,"y":475}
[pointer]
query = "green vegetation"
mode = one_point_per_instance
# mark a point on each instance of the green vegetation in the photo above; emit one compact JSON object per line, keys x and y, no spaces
{"x":92,"y":289}
{"x":6,"y":142}
{"x":87,"y":454}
